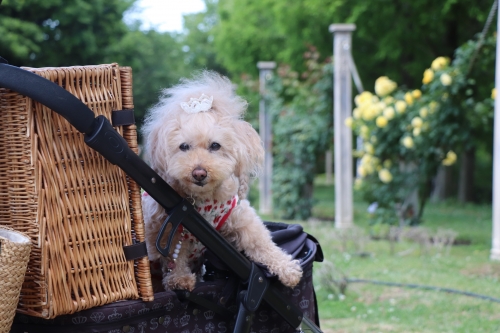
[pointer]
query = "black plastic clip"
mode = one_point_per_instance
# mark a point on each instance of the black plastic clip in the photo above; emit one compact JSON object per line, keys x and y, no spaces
{"x":175,"y":218}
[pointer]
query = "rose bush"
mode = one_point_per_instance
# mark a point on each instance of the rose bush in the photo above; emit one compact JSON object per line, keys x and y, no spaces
{"x":407,"y":134}
{"x":402,"y":149}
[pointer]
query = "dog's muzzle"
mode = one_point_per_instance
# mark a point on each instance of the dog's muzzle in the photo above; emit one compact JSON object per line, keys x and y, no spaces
{"x":199,"y":175}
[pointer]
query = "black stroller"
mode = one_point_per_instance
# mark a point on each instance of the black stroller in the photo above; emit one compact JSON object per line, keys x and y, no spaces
{"x":237,"y":295}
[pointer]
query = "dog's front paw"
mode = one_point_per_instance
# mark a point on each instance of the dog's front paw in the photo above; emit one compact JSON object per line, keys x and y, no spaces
{"x":290,"y":274}
{"x":182,"y":282}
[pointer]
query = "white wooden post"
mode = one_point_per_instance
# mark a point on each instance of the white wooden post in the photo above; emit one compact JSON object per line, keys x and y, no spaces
{"x":495,"y":250}
{"x":265,"y":128}
{"x":342,"y":108}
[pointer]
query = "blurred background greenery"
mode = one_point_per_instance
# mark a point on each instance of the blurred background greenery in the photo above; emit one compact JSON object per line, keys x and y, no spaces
{"x":394,"y":38}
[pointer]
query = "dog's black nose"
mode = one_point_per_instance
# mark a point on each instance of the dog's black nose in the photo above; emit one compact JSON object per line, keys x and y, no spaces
{"x":199,"y":174}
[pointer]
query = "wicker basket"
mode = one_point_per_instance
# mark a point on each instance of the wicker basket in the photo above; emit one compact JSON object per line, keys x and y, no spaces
{"x":78,"y":209}
{"x":14,"y":255}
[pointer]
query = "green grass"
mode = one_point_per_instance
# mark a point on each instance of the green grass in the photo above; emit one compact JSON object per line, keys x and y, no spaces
{"x":376,"y":308}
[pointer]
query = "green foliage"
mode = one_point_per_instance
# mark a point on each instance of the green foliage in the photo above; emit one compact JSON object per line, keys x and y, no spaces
{"x":157,"y":62}
{"x":471,"y":91}
{"x":407,"y":135}
{"x":57,"y":33}
{"x":302,"y":127}
{"x":394,"y":37}
{"x":54,"y":33}
{"x":197,"y":39}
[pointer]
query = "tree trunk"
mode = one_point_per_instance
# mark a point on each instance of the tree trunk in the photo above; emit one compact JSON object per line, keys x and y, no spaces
{"x":443,"y":184}
{"x":466,"y":177}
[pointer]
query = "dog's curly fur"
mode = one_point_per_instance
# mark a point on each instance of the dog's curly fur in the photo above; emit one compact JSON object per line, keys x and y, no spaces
{"x":228,"y":170}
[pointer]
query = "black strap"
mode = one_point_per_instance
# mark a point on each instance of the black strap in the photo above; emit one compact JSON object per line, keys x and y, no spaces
{"x":123,"y":117}
{"x":49,"y":94}
{"x":136,"y":251}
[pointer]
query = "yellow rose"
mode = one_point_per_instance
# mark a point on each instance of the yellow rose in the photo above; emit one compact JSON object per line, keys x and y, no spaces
{"x":416,"y":131}
{"x":384,"y":86}
{"x":369,"y":112}
{"x":400,"y":106}
{"x":416,"y":94}
{"x":494,"y":93}
{"x":445,"y":79}
{"x":389,"y":100}
{"x":450,"y":158}
{"x":367,"y":164}
{"x":348,"y":122}
{"x":385,"y":176}
{"x":409,"y":98}
{"x":428,"y":76}
{"x":369,"y":148}
{"x":380,"y":106}
{"x":381,"y":121}
{"x":408,"y":142}
{"x":356,"y":113}
{"x":363,"y":98}
{"x":417,"y":122}
{"x":439,"y":63}
{"x":388,"y":112}
{"x":424,"y":112}
{"x":362,"y":171}
{"x":366,"y":159}
{"x":387,"y":164}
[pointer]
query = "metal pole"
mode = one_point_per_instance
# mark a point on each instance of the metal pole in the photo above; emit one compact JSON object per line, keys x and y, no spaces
{"x":342,"y":108}
{"x":495,"y":250}
{"x":265,"y":179}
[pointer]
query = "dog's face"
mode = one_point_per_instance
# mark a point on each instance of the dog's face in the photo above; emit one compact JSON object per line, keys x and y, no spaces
{"x":205,"y":151}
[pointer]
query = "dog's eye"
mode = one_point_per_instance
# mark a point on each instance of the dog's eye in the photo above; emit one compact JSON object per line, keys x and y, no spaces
{"x":214,"y":146}
{"x":184,"y":147}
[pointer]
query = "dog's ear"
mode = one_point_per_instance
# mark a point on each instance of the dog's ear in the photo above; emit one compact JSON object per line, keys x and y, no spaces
{"x":156,"y":150}
{"x":250,"y":155}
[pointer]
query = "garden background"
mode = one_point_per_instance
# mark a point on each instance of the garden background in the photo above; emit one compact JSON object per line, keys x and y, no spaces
{"x":424,"y":187}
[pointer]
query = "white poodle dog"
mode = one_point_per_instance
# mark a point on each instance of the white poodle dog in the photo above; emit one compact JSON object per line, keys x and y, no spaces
{"x":196,"y":140}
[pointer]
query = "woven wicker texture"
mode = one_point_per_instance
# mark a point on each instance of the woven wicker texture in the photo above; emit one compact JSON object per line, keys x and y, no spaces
{"x":14,"y":255}
{"x":78,"y":209}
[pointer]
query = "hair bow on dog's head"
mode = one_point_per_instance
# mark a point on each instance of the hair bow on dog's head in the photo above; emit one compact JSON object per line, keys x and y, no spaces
{"x":195,"y":105}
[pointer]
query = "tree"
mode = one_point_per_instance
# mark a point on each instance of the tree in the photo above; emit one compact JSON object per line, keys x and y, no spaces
{"x":58,"y":33}
{"x":394,"y":37}
{"x":197,"y":39}
{"x":157,"y":62}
